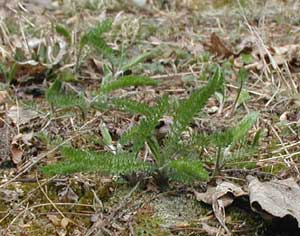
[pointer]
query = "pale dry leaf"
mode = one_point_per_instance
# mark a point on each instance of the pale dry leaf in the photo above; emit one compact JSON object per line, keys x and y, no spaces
{"x":220,"y":197}
{"x":3,"y":97}
{"x":26,"y":138}
{"x":225,"y":190}
{"x":56,"y":221}
{"x":21,"y":116}
{"x":164,"y":127}
{"x":276,"y":198}
{"x":18,"y":141}
{"x":61,"y":232}
{"x":247,"y":45}
{"x":64,"y":222}
{"x":140,"y":3}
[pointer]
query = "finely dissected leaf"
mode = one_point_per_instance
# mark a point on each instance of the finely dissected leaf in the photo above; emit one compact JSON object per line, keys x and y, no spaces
{"x":127,"y":81}
{"x":191,"y":106}
{"x":243,"y":97}
{"x":240,"y":131}
{"x":132,"y":106}
{"x":8,"y":73}
{"x":86,"y":161}
{"x":60,"y":98}
{"x":241,"y":157}
{"x":188,"y":109}
{"x":94,"y":38}
{"x":235,"y":134}
{"x":187,"y":170}
{"x":140,"y":133}
{"x":136,"y":60}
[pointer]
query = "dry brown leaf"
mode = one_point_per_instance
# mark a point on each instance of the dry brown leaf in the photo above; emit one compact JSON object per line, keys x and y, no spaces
{"x":17,"y":144}
{"x":220,"y":197}
{"x":225,"y":191}
{"x":217,"y":47}
{"x":16,"y":154}
{"x":276,"y":198}
{"x":54,"y":220}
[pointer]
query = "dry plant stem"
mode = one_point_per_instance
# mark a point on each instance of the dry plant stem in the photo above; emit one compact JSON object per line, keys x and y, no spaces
{"x":5,"y":31}
{"x":42,"y":156}
{"x":289,"y":156}
{"x":29,"y":195}
{"x":291,"y":87}
{"x":45,"y":194}
{"x":124,"y":201}
{"x":52,"y":203}
{"x":49,"y":204}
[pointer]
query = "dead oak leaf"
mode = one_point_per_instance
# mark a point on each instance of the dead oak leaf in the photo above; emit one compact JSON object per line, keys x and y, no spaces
{"x":217,"y":46}
{"x":220,"y":197}
{"x":275,"y":199}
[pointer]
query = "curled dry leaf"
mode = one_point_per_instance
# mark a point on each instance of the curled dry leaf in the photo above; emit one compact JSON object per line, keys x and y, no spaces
{"x":276,"y":56}
{"x":217,"y":47}
{"x":225,"y":190}
{"x":163,"y":128}
{"x":275,"y":199}
{"x":16,"y":154}
{"x":247,"y":45}
{"x":17,"y":144}
{"x":55,"y":52}
{"x":220,"y":197}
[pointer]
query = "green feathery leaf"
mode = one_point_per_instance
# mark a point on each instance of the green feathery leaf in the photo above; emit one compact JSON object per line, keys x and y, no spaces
{"x":187,"y":170}
{"x":188,"y":109}
{"x":193,"y":105}
{"x":60,"y":98}
{"x":136,"y":60}
{"x":94,"y":38}
{"x":87,"y":161}
{"x":127,"y":81}
{"x":233,"y":135}
{"x":242,"y":128}
{"x":140,"y":133}
{"x":132,"y":106}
